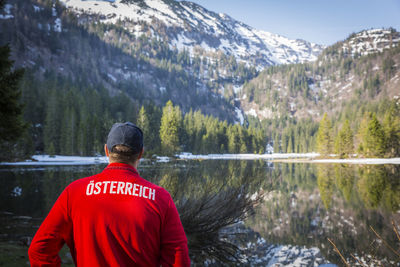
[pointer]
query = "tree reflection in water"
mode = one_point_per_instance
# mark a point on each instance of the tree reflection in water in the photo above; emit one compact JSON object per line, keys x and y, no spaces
{"x":210,"y":197}
{"x":377,"y":186}
{"x":316,"y":201}
{"x":303,"y":204}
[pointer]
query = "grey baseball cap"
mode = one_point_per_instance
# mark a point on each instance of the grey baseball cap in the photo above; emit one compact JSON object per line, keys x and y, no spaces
{"x":127,"y":134}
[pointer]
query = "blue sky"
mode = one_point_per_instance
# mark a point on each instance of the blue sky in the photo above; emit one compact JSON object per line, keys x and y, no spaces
{"x":319,"y":21}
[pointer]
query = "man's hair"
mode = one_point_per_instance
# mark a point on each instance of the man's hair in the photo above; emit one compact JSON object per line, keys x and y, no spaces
{"x":123,"y":154}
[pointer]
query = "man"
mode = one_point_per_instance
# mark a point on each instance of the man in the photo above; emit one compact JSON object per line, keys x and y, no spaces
{"x":115,"y":218}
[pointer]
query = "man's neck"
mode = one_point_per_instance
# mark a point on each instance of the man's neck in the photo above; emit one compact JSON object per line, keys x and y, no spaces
{"x":134,"y":164}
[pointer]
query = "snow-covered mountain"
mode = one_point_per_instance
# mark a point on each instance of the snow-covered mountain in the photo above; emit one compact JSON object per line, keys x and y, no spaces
{"x":192,"y":27}
{"x":371,"y":41}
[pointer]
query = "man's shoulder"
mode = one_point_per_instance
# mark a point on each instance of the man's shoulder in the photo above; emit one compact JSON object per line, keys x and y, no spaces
{"x":162,"y":191}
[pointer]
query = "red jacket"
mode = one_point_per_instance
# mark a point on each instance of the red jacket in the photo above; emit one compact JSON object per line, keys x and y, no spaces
{"x":115,"y":218}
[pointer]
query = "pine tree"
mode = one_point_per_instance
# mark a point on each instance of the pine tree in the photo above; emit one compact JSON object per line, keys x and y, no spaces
{"x":189,"y":131}
{"x":243,"y":148}
{"x":276,"y":144}
{"x":372,"y":137}
{"x":290,"y":145}
{"x":11,"y":123}
{"x":52,"y":126}
{"x":233,"y":139}
{"x":344,"y":145}
{"x":171,"y":121}
{"x":154,"y":115}
{"x":391,"y":127}
{"x":144,"y":124}
{"x":324,"y":139}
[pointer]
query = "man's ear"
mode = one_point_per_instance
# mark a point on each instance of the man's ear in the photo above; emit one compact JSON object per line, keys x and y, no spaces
{"x":106,"y":150}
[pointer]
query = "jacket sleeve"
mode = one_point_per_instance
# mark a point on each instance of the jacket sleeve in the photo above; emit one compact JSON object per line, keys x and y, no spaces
{"x":52,"y":234}
{"x":174,"y":249}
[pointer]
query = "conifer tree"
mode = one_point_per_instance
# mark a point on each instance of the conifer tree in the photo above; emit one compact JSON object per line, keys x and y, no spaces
{"x":52,"y":127}
{"x":144,"y":124}
{"x":391,"y":127}
{"x":189,"y":131}
{"x":242,"y":140}
{"x":344,"y":145}
{"x":324,"y":139}
{"x":171,"y":121}
{"x":276,"y":144}
{"x":372,"y":137}
{"x":154,"y":114}
{"x":11,"y":122}
{"x":84,"y":141}
{"x":233,"y":139}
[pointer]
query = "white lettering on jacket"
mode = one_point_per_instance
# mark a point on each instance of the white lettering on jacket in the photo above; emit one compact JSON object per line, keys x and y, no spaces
{"x":120,"y":188}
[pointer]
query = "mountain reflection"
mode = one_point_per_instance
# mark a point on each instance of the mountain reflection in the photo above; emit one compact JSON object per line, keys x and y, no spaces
{"x":284,"y":203}
{"x":211,"y":196}
{"x":315,"y":202}
{"x":377,"y":186}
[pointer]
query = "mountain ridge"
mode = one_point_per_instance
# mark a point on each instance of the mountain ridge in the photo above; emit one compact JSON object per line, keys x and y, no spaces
{"x":148,"y":69}
{"x":200,"y":27}
{"x":347,"y":70}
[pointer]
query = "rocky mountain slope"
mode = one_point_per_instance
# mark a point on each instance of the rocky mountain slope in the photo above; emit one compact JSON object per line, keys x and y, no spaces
{"x":370,"y":42}
{"x":156,"y":50}
{"x":152,"y":50}
{"x":364,"y":67}
{"x":192,"y":27}
{"x":49,"y":41}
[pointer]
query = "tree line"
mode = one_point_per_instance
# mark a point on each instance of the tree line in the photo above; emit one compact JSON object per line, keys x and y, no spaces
{"x":372,"y":138}
{"x":65,"y":118}
{"x":197,"y":133}
{"x":368,"y":129}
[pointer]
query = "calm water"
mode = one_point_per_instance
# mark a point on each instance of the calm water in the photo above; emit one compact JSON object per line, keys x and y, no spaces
{"x":296,"y":203}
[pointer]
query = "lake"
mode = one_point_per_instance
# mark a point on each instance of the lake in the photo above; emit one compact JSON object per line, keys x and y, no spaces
{"x":256,"y":211}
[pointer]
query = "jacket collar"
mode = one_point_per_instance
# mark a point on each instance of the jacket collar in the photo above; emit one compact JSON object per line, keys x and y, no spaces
{"x":121,"y":166}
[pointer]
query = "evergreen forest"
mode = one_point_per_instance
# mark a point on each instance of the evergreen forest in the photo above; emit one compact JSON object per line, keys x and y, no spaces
{"x":68,"y":88}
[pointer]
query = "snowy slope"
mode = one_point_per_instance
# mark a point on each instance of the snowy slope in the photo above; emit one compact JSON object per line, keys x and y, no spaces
{"x":191,"y":25}
{"x":371,"y":41}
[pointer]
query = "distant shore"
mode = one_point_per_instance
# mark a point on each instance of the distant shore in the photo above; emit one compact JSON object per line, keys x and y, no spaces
{"x":43,"y":160}
{"x":293,"y":158}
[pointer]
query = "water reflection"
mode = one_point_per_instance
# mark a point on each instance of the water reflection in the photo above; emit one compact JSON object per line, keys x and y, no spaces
{"x":302,"y":204}
{"x":210,"y":196}
{"x":314,"y":202}
{"x":377,"y":186}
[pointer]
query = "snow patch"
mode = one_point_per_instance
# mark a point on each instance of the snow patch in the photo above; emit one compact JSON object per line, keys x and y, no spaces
{"x":360,"y":161}
{"x":109,"y":75}
{"x":234,"y":38}
{"x":54,"y":12}
{"x":37,"y":8}
{"x":371,"y":41}
{"x":57,"y":25}
{"x":249,"y":156}
{"x":239,"y":115}
{"x":7,"y":10}
{"x":251,"y":112}
{"x":237,"y":88}
{"x":41,"y":160}
{"x":163,"y":159}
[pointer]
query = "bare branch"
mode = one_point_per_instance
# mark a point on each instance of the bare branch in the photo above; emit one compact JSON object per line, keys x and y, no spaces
{"x":338,"y":252}
{"x":384,"y":242}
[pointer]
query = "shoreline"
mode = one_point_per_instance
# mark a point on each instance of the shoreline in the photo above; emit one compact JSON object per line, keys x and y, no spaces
{"x":360,"y":161}
{"x":46,"y":160}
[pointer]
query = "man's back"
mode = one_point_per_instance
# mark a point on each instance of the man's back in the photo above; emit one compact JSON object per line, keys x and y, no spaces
{"x":115,"y":218}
